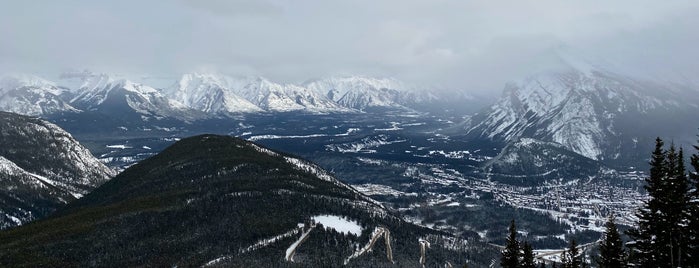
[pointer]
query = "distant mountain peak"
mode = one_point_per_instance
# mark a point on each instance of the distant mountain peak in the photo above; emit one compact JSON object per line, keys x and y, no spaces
{"x":32,"y":95}
{"x":209,"y":93}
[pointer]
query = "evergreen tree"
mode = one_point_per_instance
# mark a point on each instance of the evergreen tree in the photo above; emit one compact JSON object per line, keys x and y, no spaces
{"x":527,"y":256}
{"x":510,"y":255}
{"x":646,"y":249}
{"x":693,"y":234}
{"x":611,"y":250}
{"x":678,"y":210}
{"x":542,"y":265}
{"x":571,"y":258}
{"x":664,"y":230}
{"x":694,"y":161}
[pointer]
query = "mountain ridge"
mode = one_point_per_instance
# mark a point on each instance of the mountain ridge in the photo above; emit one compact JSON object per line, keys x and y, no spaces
{"x":584,"y":111}
{"x":215,"y":94}
{"x":43,"y":167}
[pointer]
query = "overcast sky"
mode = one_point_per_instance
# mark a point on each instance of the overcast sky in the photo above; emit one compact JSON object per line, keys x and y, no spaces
{"x":474,"y":45}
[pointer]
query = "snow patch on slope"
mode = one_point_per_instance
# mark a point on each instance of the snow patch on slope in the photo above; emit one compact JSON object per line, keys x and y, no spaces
{"x":339,"y":224}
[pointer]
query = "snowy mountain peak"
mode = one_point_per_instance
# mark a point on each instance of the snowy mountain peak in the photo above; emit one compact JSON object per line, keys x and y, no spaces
{"x":32,"y":95}
{"x":360,"y":92}
{"x":209,"y":93}
{"x":122,"y":96}
{"x":576,"y":109}
{"x":95,"y":89}
{"x":276,"y":97}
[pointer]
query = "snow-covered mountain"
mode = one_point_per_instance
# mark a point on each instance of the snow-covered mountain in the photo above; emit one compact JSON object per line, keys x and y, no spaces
{"x":591,"y":111}
{"x":210,"y":93}
{"x":359,"y":92}
{"x":214,"y":93}
{"x":275,"y":97}
{"x":109,"y":95}
{"x":223,"y":94}
{"x":41,"y":168}
{"x":32,"y":95}
{"x":198,"y":95}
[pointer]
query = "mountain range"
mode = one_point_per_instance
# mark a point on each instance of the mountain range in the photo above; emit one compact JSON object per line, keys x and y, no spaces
{"x":591,"y":111}
{"x":197,"y":96}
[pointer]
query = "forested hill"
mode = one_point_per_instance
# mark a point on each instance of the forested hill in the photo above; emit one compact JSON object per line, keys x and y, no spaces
{"x":222,"y":201}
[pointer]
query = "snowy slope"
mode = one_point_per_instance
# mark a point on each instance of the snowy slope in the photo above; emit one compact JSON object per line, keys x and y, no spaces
{"x":586,"y":110}
{"x":109,"y":95}
{"x":213,"y":93}
{"x":359,"y":92}
{"x":209,"y":93}
{"x":275,"y":97}
{"x":32,"y":95}
{"x":43,"y":167}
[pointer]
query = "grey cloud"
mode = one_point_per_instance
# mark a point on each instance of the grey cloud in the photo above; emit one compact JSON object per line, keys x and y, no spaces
{"x":235,"y":8}
{"x":471,"y":45}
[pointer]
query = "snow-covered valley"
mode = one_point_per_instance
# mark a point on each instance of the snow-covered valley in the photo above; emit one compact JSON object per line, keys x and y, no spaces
{"x":417,"y":166}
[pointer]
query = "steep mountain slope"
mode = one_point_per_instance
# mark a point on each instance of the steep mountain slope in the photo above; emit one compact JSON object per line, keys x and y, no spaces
{"x":31,"y":95}
{"x":104,"y":94}
{"x":221,"y":201}
{"x":593,"y":112}
{"x":41,"y":168}
{"x":209,"y":93}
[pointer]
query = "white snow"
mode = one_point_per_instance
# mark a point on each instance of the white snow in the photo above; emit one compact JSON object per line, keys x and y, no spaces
{"x":271,"y":137}
{"x":453,"y":204}
{"x":360,"y":92}
{"x":576,"y":107}
{"x":289,"y":254}
{"x":379,"y":189}
{"x":14,"y":219}
{"x":209,"y":93}
{"x":364,"y":145}
{"x":311,"y":168}
{"x":339,"y":224}
{"x":375,"y":235}
{"x":268,"y":241}
{"x":31,"y":95}
{"x":394,"y":127}
{"x":119,"y":146}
